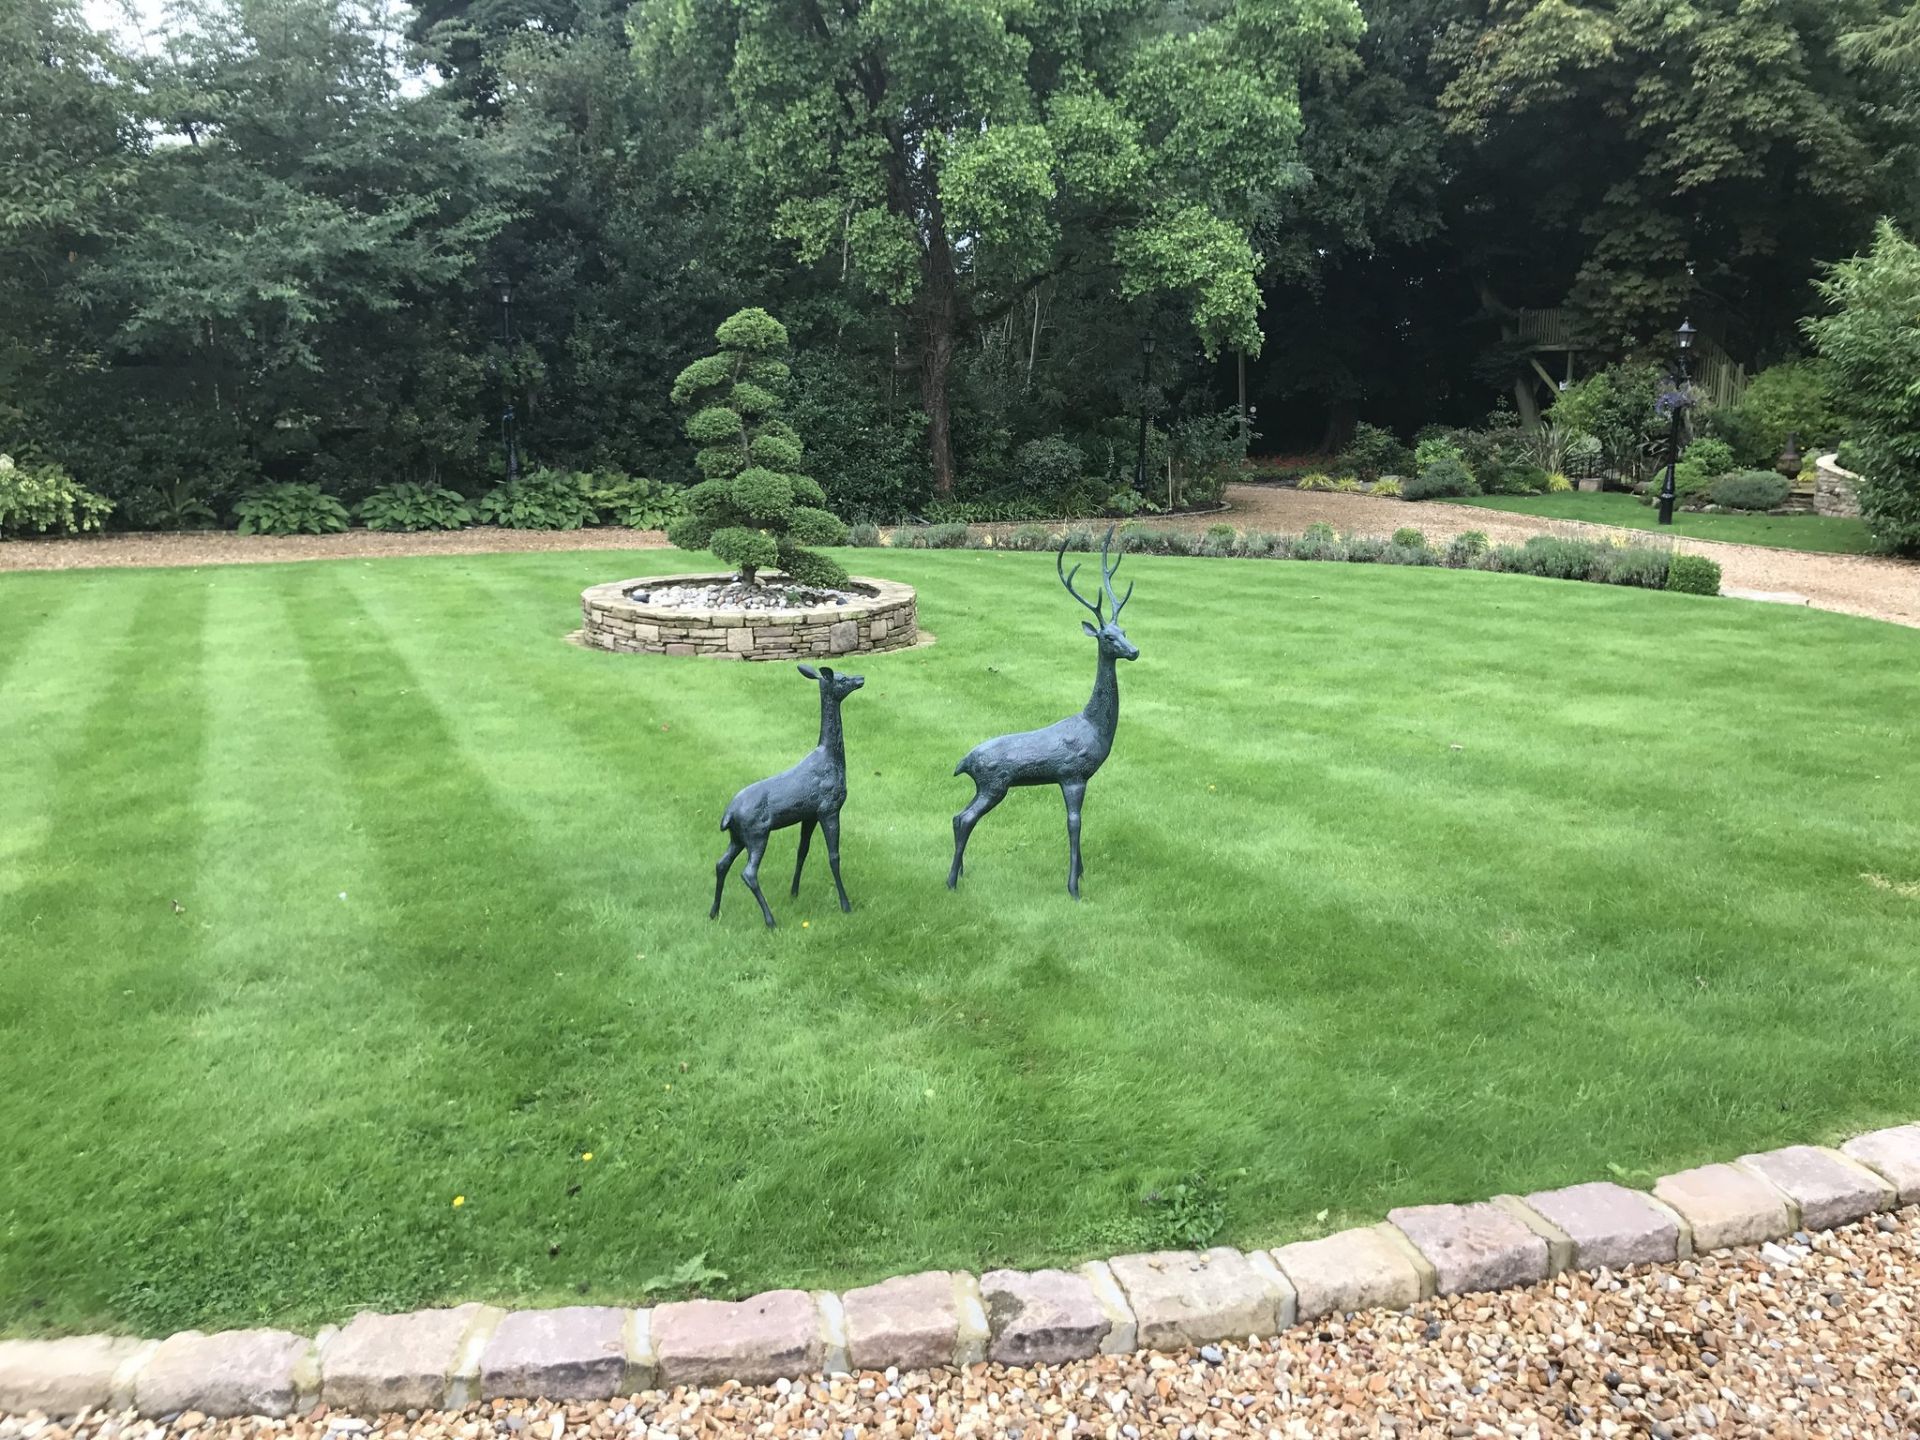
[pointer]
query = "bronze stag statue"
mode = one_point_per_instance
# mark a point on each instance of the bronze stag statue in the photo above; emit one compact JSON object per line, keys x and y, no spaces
{"x":1066,"y":753}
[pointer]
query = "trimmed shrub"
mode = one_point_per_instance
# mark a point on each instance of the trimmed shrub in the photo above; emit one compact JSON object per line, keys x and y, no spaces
{"x":910,"y":537}
{"x":865,"y":535}
{"x":1443,"y":477}
{"x":947,"y":537}
{"x":1364,"y":549}
{"x":749,"y":513}
{"x":289,"y":508}
{"x":1694,"y":575}
{"x":1751,"y":490}
{"x":1030,"y":537}
{"x":1410,"y":537}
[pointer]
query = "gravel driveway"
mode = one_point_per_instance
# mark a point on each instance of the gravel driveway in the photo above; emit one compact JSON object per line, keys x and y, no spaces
{"x":1819,"y":1338}
{"x":1851,"y":584}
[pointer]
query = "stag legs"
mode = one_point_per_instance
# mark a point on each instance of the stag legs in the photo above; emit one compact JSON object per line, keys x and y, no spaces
{"x":806,"y":839}
{"x":963,"y":823}
{"x":734,"y":847}
{"x":830,"y":827}
{"x":1074,"y":792}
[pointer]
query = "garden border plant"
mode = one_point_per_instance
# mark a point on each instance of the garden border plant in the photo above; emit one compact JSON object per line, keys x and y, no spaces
{"x":429,"y":1359}
{"x":1553,"y":557}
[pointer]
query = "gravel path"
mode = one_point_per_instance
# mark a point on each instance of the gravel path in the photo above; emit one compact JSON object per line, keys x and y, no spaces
{"x":1818,"y":1338}
{"x":1851,"y":584}
{"x":224,"y":547}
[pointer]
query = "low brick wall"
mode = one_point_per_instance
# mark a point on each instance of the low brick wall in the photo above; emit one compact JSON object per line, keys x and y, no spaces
{"x":886,"y":618}
{"x":1833,"y":492}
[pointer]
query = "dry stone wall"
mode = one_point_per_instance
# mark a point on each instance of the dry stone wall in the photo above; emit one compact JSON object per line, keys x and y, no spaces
{"x":885,"y":618}
{"x":1833,"y":492}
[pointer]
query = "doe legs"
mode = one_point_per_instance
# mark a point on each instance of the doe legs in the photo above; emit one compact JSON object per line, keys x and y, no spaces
{"x":755,"y":847}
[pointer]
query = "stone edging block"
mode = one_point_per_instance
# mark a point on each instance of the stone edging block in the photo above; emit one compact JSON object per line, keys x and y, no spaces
{"x":1180,"y":1298}
{"x":1893,"y":1154}
{"x":1481,"y":1246}
{"x":1725,"y":1205}
{"x":433,"y":1359}
{"x":1824,"y":1188}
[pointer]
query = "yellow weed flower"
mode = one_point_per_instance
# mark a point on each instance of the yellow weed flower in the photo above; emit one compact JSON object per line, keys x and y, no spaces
{"x":458,"y":1201}
{"x":586,"y":1157}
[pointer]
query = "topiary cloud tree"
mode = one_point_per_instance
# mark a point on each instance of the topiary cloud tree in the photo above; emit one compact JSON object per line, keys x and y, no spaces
{"x":754,"y":510}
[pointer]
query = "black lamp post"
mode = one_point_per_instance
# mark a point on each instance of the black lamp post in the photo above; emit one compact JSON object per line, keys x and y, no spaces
{"x":1146,"y":376}
{"x":1683,"y":341}
{"x":509,"y":428}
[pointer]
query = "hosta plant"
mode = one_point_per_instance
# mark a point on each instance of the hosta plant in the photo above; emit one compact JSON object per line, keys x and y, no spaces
{"x":45,"y":500}
{"x":410,"y":506}
{"x":291,"y":507}
{"x":540,"y":500}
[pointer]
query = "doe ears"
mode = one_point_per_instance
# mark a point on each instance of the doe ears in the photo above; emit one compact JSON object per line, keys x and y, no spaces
{"x":810,"y":672}
{"x":1088,"y":626}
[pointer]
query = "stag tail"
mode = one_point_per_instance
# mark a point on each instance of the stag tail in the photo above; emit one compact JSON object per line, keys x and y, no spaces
{"x":726,"y":820}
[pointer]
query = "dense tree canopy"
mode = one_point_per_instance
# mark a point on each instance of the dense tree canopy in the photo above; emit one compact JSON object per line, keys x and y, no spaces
{"x":270,"y":250}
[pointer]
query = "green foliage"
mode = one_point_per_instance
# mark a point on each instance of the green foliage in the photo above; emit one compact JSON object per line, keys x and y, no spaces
{"x":1694,"y":575}
{"x":1314,"y":480}
{"x":1793,"y":399}
{"x":1639,"y":565}
{"x":1871,"y":339}
{"x":1616,"y":408}
{"x":1124,"y":502}
{"x":1374,"y":452}
{"x":1465,"y":549}
{"x":1444,"y":477}
{"x":1188,"y":1214}
{"x":1410,"y":537}
{"x":1389,"y":487}
{"x":1346,"y":485}
{"x":44,"y":500}
{"x":945,"y":537}
{"x":290,"y":507}
{"x":688,"y":1278}
{"x":407,"y":506}
{"x":865,"y":536}
{"x":749,"y":514}
{"x":1751,"y":490}
{"x":634,"y":501}
{"x":539,"y":500}
{"x":1435,"y":448}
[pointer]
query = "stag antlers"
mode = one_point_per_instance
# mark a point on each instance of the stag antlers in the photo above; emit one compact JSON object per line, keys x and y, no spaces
{"x":1107,"y":572}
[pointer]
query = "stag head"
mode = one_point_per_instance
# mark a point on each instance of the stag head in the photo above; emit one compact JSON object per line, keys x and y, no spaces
{"x":1106,"y":629}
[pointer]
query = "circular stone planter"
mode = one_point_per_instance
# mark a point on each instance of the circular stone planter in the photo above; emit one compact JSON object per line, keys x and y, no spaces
{"x":884,"y":617}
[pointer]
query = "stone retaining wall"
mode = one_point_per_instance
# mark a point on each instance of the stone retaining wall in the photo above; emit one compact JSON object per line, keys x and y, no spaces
{"x":439,"y":1358}
{"x":887,"y":619}
{"x":1833,"y":488}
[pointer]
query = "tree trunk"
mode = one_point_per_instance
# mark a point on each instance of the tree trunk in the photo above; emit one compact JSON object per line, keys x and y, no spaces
{"x":939,"y":319}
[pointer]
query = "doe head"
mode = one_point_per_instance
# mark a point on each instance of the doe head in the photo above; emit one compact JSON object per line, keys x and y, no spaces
{"x":833,"y":683}
{"x":1104,"y":628}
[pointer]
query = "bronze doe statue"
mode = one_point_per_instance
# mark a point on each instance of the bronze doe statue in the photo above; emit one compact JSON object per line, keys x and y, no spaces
{"x":809,"y":794}
{"x":1066,"y":753}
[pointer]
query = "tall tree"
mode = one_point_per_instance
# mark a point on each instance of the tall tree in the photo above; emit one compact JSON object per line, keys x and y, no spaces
{"x":951,"y":154}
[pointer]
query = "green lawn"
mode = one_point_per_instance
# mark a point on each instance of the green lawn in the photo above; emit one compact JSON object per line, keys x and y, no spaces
{"x":1402,"y":885}
{"x":1787,"y":532}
